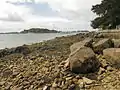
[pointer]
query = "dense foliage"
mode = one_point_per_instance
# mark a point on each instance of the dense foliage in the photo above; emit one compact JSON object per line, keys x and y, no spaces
{"x":108,"y":12}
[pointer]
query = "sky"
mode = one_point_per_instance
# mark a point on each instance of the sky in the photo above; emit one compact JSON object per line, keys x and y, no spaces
{"x":64,"y":15}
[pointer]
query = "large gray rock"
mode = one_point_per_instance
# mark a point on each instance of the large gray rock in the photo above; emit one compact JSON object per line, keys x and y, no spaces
{"x":83,"y":61}
{"x":112,"y":55}
{"x":102,"y":44}
{"x":76,"y":46}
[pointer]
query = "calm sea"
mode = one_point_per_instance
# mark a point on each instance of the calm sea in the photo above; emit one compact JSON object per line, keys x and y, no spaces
{"x":13,"y":40}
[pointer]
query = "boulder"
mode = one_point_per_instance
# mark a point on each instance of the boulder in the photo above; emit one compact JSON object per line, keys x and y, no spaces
{"x":76,"y":46}
{"x":22,"y":49}
{"x":112,"y":55}
{"x":3,"y":52}
{"x":116,"y":43}
{"x":83,"y":61}
{"x":102,"y":44}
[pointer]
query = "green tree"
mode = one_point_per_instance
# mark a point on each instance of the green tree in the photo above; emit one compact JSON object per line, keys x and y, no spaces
{"x":108,"y":12}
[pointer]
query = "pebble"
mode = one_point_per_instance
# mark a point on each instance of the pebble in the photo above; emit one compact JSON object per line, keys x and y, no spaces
{"x":78,"y":77}
{"x":45,"y":88}
{"x":81,"y":85}
{"x":54,"y":85}
{"x":87,"y":81}
{"x":101,"y":70}
{"x":68,"y":78}
{"x":15,"y":74}
{"x":109,"y":68}
{"x":17,"y":88}
{"x":72,"y":87}
{"x":2,"y":83}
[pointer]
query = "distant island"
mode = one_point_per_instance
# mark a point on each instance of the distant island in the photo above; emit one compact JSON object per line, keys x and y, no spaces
{"x":42,"y":30}
{"x":39,"y":30}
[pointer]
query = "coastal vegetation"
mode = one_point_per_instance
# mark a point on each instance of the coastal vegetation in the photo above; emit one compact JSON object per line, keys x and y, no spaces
{"x":108,"y":12}
{"x":39,"y":30}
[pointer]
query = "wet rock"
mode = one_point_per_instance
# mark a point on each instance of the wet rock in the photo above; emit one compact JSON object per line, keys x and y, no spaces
{"x":88,"y":81}
{"x":84,"y":61}
{"x":22,"y":49}
{"x":102,"y":44}
{"x":112,"y":55}
{"x":76,"y":46}
{"x":4,"y":52}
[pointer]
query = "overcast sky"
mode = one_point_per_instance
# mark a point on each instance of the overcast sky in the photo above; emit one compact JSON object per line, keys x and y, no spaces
{"x":16,"y":15}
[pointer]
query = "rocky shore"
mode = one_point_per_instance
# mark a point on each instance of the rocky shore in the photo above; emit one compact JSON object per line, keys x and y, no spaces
{"x":88,"y":61}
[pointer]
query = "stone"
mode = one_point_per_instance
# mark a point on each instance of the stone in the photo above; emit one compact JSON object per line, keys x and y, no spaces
{"x":45,"y":88}
{"x":22,"y":49}
{"x":104,"y":63}
{"x":7,"y":87}
{"x":116,"y":43}
{"x":17,"y":88}
{"x":67,"y":63}
{"x":15,"y":74}
{"x":99,"y":35}
{"x":54,"y":85}
{"x":76,"y":46}
{"x":39,"y":89}
{"x":81,"y":85}
{"x":78,"y":77}
{"x":87,"y":81}
{"x":68,"y":78}
{"x":51,"y":88}
{"x":109,"y":68}
{"x":112,"y":55}
{"x":7,"y":73}
{"x":4,"y":52}
{"x":2,"y":83}
{"x":84,"y":61}
{"x":102,"y":44}
{"x":74,"y":80}
{"x":101,"y":70}
{"x":72,"y":87}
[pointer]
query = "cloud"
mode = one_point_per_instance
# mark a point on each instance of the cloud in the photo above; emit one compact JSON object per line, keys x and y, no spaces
{"x":12,"y":18}
{"x":46,"y":13}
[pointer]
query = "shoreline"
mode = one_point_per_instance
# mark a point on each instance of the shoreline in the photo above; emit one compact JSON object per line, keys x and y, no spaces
{"x":21,"y":41}
{"x":40,"y":65}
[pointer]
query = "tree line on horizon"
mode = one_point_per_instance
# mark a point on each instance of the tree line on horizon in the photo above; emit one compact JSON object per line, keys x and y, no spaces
{"x":108,"y":14}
